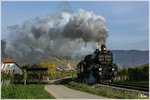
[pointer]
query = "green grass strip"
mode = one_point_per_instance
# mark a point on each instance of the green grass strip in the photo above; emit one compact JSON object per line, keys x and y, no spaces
{"x":133,"y":82}
{"x":100,"y":91}
{"x":31,"y":91}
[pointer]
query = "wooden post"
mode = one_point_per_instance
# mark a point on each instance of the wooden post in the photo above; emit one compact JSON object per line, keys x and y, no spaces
{"x":38,"y":77}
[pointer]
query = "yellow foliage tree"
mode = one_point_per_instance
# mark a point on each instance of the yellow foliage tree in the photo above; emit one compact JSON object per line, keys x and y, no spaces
{"x":51,"y":67}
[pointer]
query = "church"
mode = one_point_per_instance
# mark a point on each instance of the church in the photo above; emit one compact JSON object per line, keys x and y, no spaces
{"x":10,"y":66}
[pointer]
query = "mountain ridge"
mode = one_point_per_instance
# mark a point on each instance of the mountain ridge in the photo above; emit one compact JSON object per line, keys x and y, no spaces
{"x":123,"y":58}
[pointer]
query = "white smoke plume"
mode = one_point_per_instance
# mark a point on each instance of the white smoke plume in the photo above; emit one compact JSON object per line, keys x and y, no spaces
{"x":64,"y":35}
{"x":64,"y":7}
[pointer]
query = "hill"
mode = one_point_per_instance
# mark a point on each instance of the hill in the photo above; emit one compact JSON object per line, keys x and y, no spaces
{"x":61,"y":62}
{"x":130,"y":58}
{"x":123,"y":58}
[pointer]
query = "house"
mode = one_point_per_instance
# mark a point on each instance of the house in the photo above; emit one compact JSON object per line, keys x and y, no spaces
{"x":69,"y":67}
{"x":59,"y":69}
{"x":10,"y":66}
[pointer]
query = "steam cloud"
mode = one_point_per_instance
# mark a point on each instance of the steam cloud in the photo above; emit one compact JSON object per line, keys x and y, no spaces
{"x":64,"y":35}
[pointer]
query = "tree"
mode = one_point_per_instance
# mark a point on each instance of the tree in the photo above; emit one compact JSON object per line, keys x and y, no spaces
{"x":51,"y":67}
{"x":25,"y":76}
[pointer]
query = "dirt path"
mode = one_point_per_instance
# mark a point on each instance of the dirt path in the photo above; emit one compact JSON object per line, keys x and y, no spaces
{"x":61,"y":92}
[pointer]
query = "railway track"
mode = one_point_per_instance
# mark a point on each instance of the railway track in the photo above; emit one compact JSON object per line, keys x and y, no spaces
{"x":126,"y":86}
{"x":135,"y":87}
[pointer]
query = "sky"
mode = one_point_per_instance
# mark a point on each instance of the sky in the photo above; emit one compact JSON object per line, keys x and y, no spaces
{"x":127,"y":21}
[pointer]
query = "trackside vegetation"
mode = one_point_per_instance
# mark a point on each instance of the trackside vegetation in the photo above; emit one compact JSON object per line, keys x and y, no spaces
{"x":133,"y":82}
{"x":102,"y":92}
{"x":136,"y":76}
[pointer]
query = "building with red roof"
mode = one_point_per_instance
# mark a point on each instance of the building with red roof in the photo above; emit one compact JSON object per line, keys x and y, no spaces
{"x":10,"y":66}
{"x":9,"y":60}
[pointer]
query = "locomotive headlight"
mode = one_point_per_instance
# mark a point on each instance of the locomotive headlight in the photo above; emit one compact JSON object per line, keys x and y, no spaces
{"x":113,"y":69}
{"x":100,"y":69}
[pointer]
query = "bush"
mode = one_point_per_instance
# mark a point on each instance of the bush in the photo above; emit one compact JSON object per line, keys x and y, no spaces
{"x":5,"y":76}
{"x":136,"y":73}
{"x":18,"y":77}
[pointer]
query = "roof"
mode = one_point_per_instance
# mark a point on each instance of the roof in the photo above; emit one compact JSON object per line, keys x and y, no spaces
{"x":36,"y":69}
{"x":9,"y":60}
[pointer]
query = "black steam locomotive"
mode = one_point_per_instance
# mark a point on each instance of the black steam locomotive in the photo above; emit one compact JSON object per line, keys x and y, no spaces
{"x":97,"y":67}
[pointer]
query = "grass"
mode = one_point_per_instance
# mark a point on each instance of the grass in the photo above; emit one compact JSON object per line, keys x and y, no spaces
{"x":102,"y":91}
{"x":142,"y":83}
{"x":30,"y":91}
{"x":59,"y":75}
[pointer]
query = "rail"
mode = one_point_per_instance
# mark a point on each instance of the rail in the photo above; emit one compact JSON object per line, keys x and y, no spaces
{"x":135,"y":87}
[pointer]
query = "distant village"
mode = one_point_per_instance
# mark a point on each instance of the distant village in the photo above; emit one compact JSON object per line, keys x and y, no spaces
{"x":67,"y":68}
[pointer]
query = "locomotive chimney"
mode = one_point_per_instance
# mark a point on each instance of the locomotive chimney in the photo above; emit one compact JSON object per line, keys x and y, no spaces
{"x":103,"y":48}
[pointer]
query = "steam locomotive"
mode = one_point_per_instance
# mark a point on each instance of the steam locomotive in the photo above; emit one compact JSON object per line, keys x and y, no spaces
{"x":97,"y":67}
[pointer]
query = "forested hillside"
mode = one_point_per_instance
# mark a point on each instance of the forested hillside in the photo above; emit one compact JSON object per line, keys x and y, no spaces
{"x":61,"y":62}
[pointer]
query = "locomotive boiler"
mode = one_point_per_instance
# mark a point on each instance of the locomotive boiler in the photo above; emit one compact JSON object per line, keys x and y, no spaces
{"x":97,"y":67}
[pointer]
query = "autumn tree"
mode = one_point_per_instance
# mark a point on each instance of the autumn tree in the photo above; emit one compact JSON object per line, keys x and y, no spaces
{"x":51,"y":67}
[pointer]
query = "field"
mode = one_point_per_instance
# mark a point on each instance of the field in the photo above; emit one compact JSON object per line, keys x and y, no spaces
{"x":130,"y":82}
{"x":102,"y":92}
{"x":30,"y":91}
